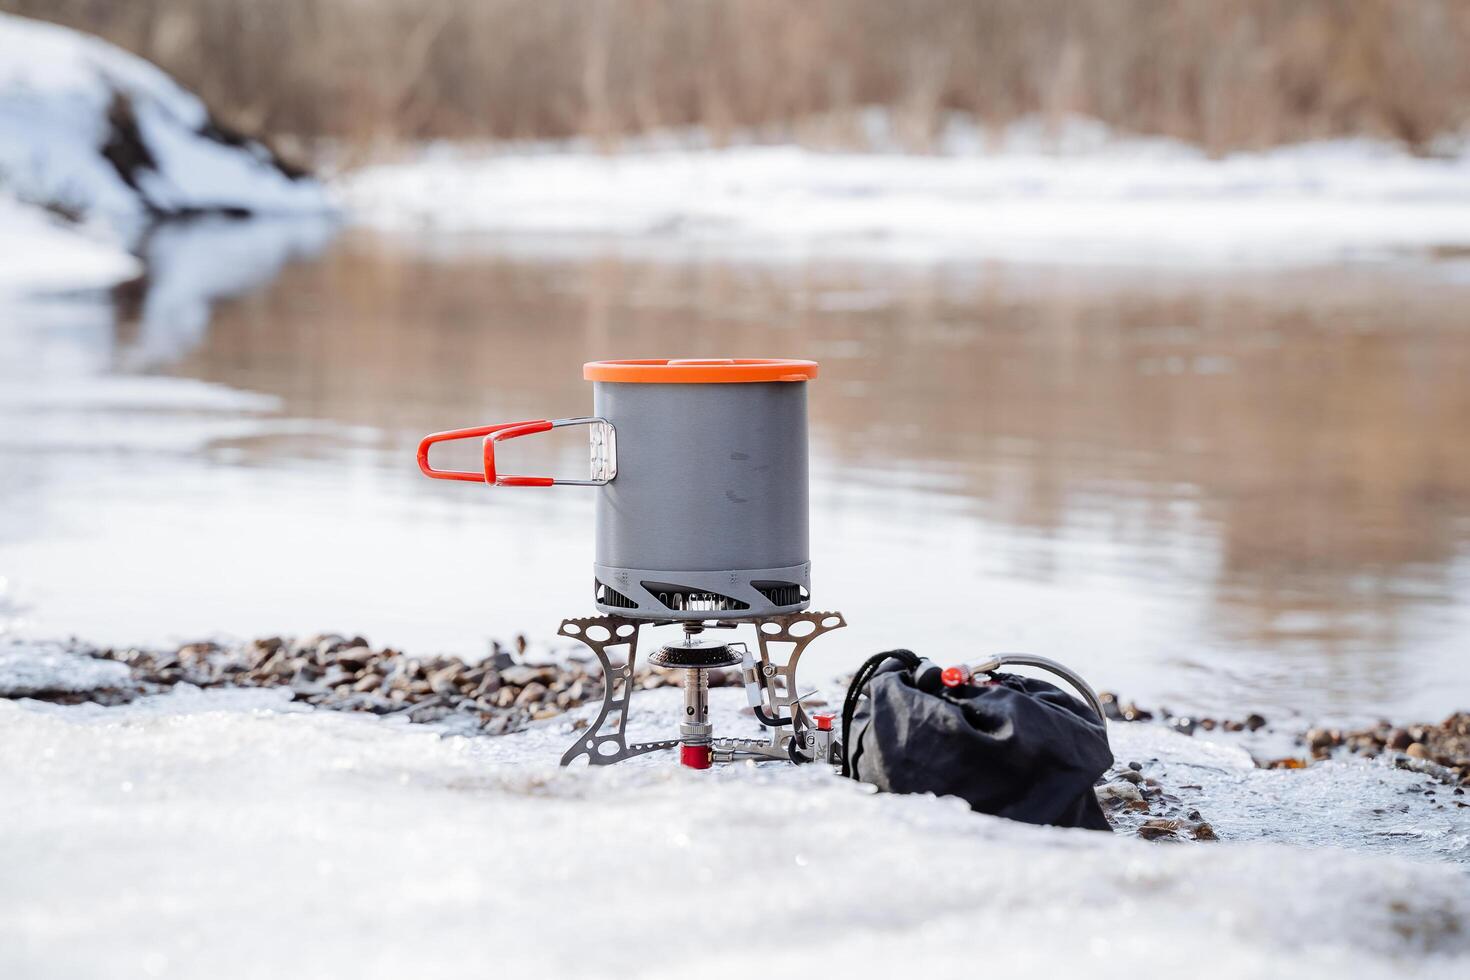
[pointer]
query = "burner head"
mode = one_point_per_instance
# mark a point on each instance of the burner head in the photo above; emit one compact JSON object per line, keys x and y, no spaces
{"x":695,"y":655}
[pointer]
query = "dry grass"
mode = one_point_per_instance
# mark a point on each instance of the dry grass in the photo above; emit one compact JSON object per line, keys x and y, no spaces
{"x":1223,"y":73}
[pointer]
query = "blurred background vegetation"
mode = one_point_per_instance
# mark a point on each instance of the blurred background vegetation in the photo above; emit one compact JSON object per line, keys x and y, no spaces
{"x":1226,"y":74}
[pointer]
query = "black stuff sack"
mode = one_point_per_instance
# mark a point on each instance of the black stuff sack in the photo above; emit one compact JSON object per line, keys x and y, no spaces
{"x":1012,"y":746}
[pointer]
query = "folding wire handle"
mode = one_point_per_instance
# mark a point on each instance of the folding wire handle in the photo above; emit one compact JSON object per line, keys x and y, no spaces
{"x":601,"y":436}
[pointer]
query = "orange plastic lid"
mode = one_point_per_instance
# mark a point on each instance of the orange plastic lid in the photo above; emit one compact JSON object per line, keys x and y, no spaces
{"x":695,"y":371}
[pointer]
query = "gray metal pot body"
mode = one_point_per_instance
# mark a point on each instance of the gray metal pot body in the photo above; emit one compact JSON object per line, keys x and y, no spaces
{"x":710,"y":495}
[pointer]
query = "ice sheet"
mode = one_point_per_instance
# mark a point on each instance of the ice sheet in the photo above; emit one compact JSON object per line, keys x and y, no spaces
{"x":28,"y":668}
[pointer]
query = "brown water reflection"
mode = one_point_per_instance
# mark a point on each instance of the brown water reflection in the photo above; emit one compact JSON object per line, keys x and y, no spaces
{"x":1285,"y":450}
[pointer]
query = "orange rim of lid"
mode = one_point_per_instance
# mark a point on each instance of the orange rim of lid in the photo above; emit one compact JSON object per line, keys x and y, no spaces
{"x":695,"y":371}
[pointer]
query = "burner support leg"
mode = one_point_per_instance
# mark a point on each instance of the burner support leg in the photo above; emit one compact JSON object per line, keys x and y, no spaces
{"x":604,"y":742}
{"x":782,"y":640}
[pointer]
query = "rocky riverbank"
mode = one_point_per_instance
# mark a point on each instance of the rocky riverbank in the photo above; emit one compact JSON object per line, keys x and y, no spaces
{"x":514,"y":687}
{"x":1438,"y":750}
{"x":502,"y":693}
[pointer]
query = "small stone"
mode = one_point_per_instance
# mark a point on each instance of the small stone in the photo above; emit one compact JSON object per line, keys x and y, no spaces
{"x":1134,"y":713}
{"x":1183,"y":724}
{"x":1203,"y":831}
{"x":1131,"y":775}
{"x":1158,"y":829}
{"x":531,"y":693}
{"x":444,"y":680}
{"x":506,"y":696}
{"x":1254,"y":722}
{"x":1399,"y":740}
{"x":335,"y":675}
{"x":368,"y":682}
{"x":354,"y":658}
{"x":542,"y":713}
{"x":1136,"y":766}
{"x":1319,"y":739}
{"x":521,"y":675}
{"x":303,"y":683}
{"x":376,"y":704}
{"x":1119,"y":789}
{"x":330,"y":644}
{"x":1416,"y":750}
{"x":425,"y":713}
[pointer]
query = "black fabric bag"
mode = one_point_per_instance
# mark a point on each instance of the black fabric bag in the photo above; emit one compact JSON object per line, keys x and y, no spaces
{"x":1012,"y":746}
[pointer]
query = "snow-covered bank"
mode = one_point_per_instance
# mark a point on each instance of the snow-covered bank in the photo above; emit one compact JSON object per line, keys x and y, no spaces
{"x":233,"y":834}
{"x":40,"y":252}
{"x":92,"y":132}
{"x":92,"y":128}
{"x":1094,"y":200}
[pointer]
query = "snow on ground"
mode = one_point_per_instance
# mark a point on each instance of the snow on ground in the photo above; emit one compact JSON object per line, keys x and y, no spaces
{"x":1075,"y":200}
{"x":40,"y":252}
{"x":233,"y":834}
{"x":91,"y":127}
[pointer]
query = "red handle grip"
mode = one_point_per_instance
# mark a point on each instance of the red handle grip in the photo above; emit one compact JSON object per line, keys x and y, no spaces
{"x":512,"y":432}
{"x":475,"y":432}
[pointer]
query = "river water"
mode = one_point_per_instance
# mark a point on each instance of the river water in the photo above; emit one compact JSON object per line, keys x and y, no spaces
{"x":1219,"y":490}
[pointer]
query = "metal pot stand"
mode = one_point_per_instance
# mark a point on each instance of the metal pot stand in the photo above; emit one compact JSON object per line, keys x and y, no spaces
{"x":770,"y":684}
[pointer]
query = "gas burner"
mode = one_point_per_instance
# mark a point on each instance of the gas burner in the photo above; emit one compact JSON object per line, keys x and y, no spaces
{"x":693,"y":654}
{"x":793,"y":733}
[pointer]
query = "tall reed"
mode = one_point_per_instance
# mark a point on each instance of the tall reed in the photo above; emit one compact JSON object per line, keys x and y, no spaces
{"x":1223,"y":73}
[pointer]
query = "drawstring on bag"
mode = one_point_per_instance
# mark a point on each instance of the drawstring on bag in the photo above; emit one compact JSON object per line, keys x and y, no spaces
{"x":855,"y":692}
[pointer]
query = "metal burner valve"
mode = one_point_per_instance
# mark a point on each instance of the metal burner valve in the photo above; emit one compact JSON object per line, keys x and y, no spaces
{"x":819,"y":742}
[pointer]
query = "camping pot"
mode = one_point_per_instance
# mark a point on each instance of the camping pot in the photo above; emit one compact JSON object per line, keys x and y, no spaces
{"x":700,"y":470}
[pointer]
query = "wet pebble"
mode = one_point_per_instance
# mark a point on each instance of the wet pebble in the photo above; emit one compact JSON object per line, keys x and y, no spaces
{"x":1119,"y":789}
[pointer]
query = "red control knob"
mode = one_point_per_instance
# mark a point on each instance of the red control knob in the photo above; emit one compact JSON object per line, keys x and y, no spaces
{"x":824,"y":722}
{"x":696,"y":756}
{"x":955,"y":676}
